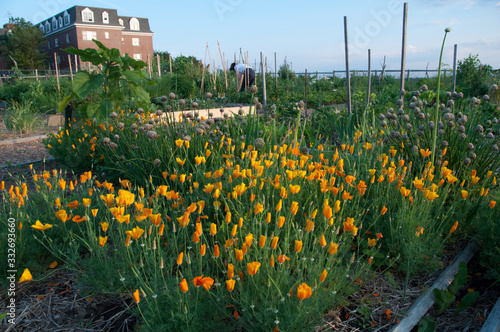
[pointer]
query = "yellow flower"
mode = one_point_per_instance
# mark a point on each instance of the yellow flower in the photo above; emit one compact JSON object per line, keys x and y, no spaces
{"x":258,"y":208}
{"x":454,"y":227}
{"x":239,"y":254}
{"x":203,"y":249}
{"x":283,"y":258}
{"x":425,"y":153}
{"x":180,"y":258}
{"x":135,"y":233}
{"x":298,"y":245}
{"x":304,"y":291}
{"x":279,"y":206}
{"x":184,"y":286}
{"x":230,"y":284}
{"x":179,"y":142}
{"x":104,"y":226}
{"x":26,"y":276}
{"x":180,"y":162}
{"x":123,"y":219}
{"x":109,"y":199}
{"x":262,"y":241}
{"x":125,"y":198}
{"x":294,"y":189}
{"x":372,"y":242}
{"x":205,"y":282}
{"x":253,"y":268}
{"x":94,"y":212}
{"x":464,"y":194}
{"x":102,"y":240}
{"x":73,"y":205}
{"x":323,"y":275}
{"x":274,"y":242}
{"x":41,"y":227}
{"x":384,"y":210}
{"x":322,"y":240}
{"x":332,"y":249}
{"x":213,"y":229}
{"x":62,"y":214}
{"x":136,"y":296}
{"x":86,"y":202}
{"x":431,"y":195}
{"x":62,"y":184}
{"x":492,"y":204}
{"x":294,"y":208}
{"x":309,"y":226}
{"x":327,"y":212}
{"x":53,"y":265}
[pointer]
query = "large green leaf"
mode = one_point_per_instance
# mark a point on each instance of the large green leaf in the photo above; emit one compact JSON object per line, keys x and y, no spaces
{"x":139,"y":92}
{"x":84,"y":83}
{"x":63,"y":103}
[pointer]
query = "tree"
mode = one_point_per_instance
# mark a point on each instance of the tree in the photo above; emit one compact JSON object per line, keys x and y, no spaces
{"x":473,"y":77}
{"x":23,"y":44}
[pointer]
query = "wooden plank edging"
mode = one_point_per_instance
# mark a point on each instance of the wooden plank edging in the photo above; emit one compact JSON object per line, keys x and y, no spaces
{"x":492,"y":323}
{"x":425,"y":302}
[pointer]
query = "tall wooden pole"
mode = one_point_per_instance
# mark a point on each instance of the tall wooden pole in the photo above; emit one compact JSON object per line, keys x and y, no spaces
{"x":305,"y":103}
{"x":403,"y":50}
{"x":454,"y":82}
{"x":275,"y":72}
{"x":76,"y":63}
{"x":158,"y":64}
{"x":70,"y":68}
{"x":57,"y":72}
{"x":347,"y":72}
{"x":224,"y":67}
{"x":369,"y":77}
{"x":170,"y":61}
{"x":264,"y":94}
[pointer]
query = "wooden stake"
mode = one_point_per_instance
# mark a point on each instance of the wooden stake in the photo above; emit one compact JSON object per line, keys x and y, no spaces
{"x":158,"y":64}
{"x":264,"y":94}
{"x":275,"y":72}
{"x":305,"y":104}
{"x":76,"y":63}
{"x":170,"y":61}
{"x":57,"y":72}
{"x":70,"y":68}
{"x":36,"y":74}
{"x":203,"y":71}
{"x":369,"y":77}
{"x":454,"y":81}
{"x":403,"y":50}
{"x":224,"y":67}
{"x":347,"y":72}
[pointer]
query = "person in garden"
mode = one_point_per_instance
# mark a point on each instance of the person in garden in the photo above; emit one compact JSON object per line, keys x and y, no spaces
{"x":245,"y":75}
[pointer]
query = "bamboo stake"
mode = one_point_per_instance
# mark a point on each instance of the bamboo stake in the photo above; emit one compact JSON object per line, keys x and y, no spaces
{"x":369,"y":78}
{"x":203,"y":71}
{"x":36,"y":74}
{"x":347,"y":72}
{"x":403,"y":50}
{"x":246,"y":70}
{"x":264,"y":94}
{"x":57,"y":72}
{"x":275,"y":72}
{"x":305,"y":104}
{"x":158,"y":64}
{"x":224,"y":67}
{"x":76,"y":63}
{"x":70,"y":68}
{"x":170,"y":61}
{"x":454,"y":81}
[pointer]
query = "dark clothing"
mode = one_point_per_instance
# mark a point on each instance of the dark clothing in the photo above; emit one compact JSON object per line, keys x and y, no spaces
{"x":247,"y":82}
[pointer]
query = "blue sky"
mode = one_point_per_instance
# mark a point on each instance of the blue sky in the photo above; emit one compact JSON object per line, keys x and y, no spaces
{"x":309,"y":34}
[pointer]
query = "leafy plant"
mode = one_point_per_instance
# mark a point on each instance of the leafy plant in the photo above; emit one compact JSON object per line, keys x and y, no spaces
{"x":116,"y":78}
{"x":21,"y":116}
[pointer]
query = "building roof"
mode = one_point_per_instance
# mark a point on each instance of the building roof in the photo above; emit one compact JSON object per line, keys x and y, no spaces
{"x":114,"y":19}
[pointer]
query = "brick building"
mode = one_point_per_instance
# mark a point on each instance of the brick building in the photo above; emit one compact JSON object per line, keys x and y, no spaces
{"x":78,"y":25}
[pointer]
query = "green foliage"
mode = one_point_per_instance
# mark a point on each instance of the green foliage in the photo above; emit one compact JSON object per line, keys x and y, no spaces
{"x":427,"y":324}
{"x":22,"y":116}
{"x":23,"y":45}
{"x":473,"y":77}
{"x":118,"y":78}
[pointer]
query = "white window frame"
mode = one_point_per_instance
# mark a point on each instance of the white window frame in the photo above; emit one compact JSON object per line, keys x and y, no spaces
{"x":87,"y":15}
{"x":120,"y":21}
{"x":42,"y":27}
{"x":54,"y":24}
{"x":47,"y":27}
{"x":66,"y":18}
{"x":89,"y":35}
{"x":60,"y":22}
{"x":105,"y":17}
{"x":136,"y":42}
{"x":67,"y":38}
{"x":134,"y":24}
{"x":137,"y":56}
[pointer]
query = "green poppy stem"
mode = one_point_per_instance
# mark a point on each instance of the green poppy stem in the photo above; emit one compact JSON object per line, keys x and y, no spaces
{"x":434,"y":134}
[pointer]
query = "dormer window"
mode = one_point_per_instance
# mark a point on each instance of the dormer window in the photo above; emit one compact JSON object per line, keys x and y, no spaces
{"x":105,"y":17}
{"x":54,"y":23}
{"x":60,"y":21}
{"x":66,"y":18}
{"x":42,"y":28}
{"x":120,"y":21}
{"x":47,"y":27}
{"x":134,"y":24}
{"x":87,"y":15}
